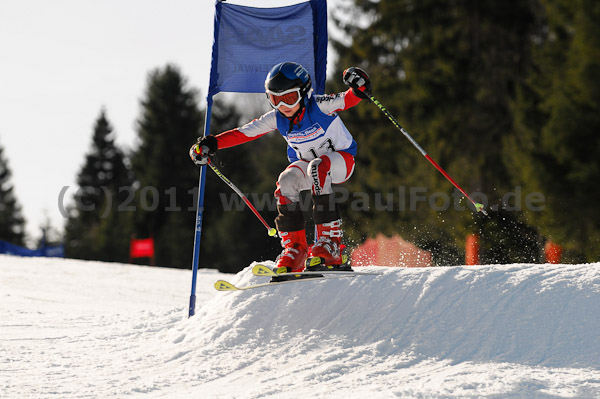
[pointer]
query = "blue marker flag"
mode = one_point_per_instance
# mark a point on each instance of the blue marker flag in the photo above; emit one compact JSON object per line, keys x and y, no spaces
{"x":46,"y":251}
{"x":248,"y":42}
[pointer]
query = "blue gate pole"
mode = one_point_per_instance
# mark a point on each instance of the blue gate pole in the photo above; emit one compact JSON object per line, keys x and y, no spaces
{"x":199,"y":213}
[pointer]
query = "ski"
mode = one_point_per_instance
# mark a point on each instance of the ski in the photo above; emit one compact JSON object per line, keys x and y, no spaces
{"x":262,"y":270}
{"x":223,"y":285}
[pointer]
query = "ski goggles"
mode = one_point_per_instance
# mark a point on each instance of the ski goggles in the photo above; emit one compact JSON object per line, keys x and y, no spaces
{"x":289,"y":98}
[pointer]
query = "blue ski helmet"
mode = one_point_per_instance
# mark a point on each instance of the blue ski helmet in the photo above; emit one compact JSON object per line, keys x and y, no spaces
{"x":286,"y":76}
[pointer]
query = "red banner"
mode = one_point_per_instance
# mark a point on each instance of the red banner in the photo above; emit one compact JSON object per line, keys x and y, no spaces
{"x":143,"y":248}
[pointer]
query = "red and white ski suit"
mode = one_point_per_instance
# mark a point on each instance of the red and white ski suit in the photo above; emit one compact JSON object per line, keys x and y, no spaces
{"x":320,"y":148}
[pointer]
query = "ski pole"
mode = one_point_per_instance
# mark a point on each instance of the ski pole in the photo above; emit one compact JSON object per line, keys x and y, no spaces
{"x":270,"y":230}
{"x":478,"y":207}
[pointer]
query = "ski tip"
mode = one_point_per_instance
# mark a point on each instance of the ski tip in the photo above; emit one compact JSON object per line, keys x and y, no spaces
{"x":222,"y":285}
{"x":262,"y":270}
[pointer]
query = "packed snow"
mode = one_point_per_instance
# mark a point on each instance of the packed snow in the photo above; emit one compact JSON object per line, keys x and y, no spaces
{"x":75,"y":329}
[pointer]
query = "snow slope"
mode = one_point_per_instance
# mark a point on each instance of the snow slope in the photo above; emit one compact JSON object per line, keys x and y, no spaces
{"x":72,"y":329}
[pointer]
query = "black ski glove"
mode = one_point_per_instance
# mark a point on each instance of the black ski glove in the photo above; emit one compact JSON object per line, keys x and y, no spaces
{"x":203,"y":149}
{"x":359,"y":81}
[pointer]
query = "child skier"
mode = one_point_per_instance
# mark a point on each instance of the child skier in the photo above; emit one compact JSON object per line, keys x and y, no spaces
{"x":321,"y":153}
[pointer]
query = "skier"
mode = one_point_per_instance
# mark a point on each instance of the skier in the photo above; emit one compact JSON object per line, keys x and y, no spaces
{"x":321,"y":153}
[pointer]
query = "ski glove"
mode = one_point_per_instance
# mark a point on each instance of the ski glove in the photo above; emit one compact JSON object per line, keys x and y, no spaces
{"x":205,"y":147}
{"x":359,"y":81}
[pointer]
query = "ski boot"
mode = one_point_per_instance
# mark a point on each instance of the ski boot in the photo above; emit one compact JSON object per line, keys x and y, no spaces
{"x":326,"y":253}
{"x":291,"y":259}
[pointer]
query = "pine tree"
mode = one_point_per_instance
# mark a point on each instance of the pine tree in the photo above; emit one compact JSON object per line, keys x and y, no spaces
{"x":169,"y":124}
{"x":556,"y":150}
{"x":448,"y":71}
{"x":12,"y":223}
{"x":96,"y":229}
{"x":50,"y":234}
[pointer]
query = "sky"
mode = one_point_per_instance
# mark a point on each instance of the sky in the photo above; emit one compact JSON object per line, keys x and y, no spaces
{"x":63,"y":61}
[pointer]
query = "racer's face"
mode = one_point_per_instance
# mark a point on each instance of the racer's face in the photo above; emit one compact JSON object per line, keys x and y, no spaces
{"x":287,"y":111}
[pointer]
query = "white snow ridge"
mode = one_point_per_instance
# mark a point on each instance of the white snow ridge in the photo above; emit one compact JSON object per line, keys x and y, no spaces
{"x":73,"y":329}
